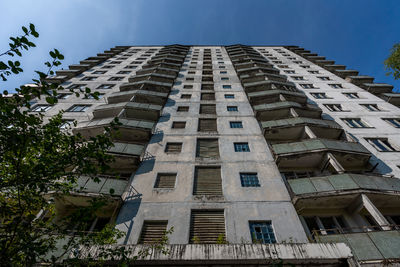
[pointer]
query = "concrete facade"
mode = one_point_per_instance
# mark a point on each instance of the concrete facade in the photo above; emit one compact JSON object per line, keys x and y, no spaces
{"x":318,"y":178}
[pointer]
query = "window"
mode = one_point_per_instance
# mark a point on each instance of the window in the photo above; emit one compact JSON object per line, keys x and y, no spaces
{"x":207,"y":148}
{"x":324,"y":78}
{"x":89,"y":78}
{"x":249,"y":180}
{"x":298,"y":62}
{"x":356,"y":123}
{"x":77,"y":86}
{"x":63,"y":96}
{"x":123,"y":72}
{"x":289,"y":71}
{"x":320,"y":95}
{"x":99,"y":72}
{"x":152,"y":232}
{"x":232,"y":108}
{"x":191,"y":72}
{"x":207,"y":226}
{"x":298,"y":78}
{"x":236,"y":124}
{"x":116,"y":78}
{"x":262,"y":232}
{"x":226,"y":86}
{"x":305,"y":66}
{"x":394,"y":122}
{"x":283,"y":66}
{"x":41,"y":108}
{"x":381,"y":144}
{"x":207,"y":87}
{"x":229,"y":96}
{"x":207,"y":125}
{"x":78,"y":108}
{"x":223,"y":72}
{"x":207,"y":96}
{"x":178,"y":124}
{"x":207,"y":109}
{"x":207,"y":181}
{"x":241,"y":147}
{"x":105,"y":86}
{"x":334,"y":107}
{"x":107,"y":67}
{"x":90,"y":96}
{"x":165,"y":180}
{"x":307,"y":85}
{"x":224,"y":78}
{"x":66,"y":124}
{"x":129,"y":67}
{"x":222,"y":67}
{"x":336,"y":85}
{"x":371,"y":107}
{"x":351,"y":95}
{"x":186,"y":96}
{"x":325,"y":225}
{"x":297,"y":175}
{"x":188,"y":86}
{"x":182,"y":109}
{"x":173,"y":148}
{"x":313,"y":71}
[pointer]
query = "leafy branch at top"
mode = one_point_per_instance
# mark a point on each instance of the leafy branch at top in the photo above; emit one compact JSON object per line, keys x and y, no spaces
{"x":392,"y":63}
{"x":17,"y":45}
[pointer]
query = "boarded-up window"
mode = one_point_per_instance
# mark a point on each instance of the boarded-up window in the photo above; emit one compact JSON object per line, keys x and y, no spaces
{"x":207,"y":181}
{"x":173,"y":148}
{"x":208,"y":96}
{"x":178,"y":124}
{"x":207,"y":148}
{"x":207,"y":125}
{"x":207,"y":227}
{"x":208,"y":86}
{"x":183,"y":109}
{"x":165,"y":180}
{"x":207,"y":109}
{"x":152,"y":232}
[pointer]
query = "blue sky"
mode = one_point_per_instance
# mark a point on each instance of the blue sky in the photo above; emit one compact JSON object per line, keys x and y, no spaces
{"x":357,"y":33}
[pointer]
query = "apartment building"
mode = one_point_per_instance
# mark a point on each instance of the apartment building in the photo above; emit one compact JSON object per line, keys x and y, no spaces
{"x":252,"y":154}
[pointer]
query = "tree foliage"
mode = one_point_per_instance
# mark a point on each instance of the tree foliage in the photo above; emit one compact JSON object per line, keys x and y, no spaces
{"x":392,"y":63}
{"x":40,"y":163}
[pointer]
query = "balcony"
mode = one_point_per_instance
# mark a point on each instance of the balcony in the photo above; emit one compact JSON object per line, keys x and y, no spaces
{"x":158,"y":70}
{"x":127,"y":157}
{"x":141,"y":96}
{"x":315,"y":58}
{"x":257,"y":69}
{"x":360,"y":80}
{"x":293,"y":129}
{"x":272,"y":96}
{"x":375,"y":247}
{"x":129,"y":130}
{"x":324,"y":62}
{"x":68,"y":73}
{"x":267,"y":85}
{"x":347,"y":183}
{"x":251,"y":64}
{"x":378,"y":88}
{"x":131,"y":110}
{"x":392,"y":98}
{"x":103,"y":187}
{"x":89,"y":62}
{"x":154,"y":77}
{"x":346,"y":73}
{"x":282,"y":110}
{"x":163,"y":65}
{"x":257,"y":77}
{"x":335,"y":67}
{"x":311,"y":153}
{"x":146,"y":85}
{"x":81,"y":67}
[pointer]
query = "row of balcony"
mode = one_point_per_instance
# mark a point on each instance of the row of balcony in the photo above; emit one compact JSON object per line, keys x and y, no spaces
{"x":382,"y":90}
{"x":74,"y":70}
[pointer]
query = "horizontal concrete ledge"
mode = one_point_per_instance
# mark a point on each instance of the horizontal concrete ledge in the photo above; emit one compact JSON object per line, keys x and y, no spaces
{"x":236,"y":254}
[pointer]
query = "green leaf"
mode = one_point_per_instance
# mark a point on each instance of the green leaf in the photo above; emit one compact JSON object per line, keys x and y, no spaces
{"x":51,"y":100}
{"x":52,"y":54}
{"x":3,"y":66}
{"x":25,"y":29}
{"x":31,"y":27}
{"x":112,"y":191}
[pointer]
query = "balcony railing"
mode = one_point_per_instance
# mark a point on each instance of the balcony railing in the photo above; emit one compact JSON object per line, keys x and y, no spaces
{"x":367,"y":243}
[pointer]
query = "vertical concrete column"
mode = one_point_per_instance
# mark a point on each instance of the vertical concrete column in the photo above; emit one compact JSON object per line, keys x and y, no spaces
{"x":374,"y":212}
